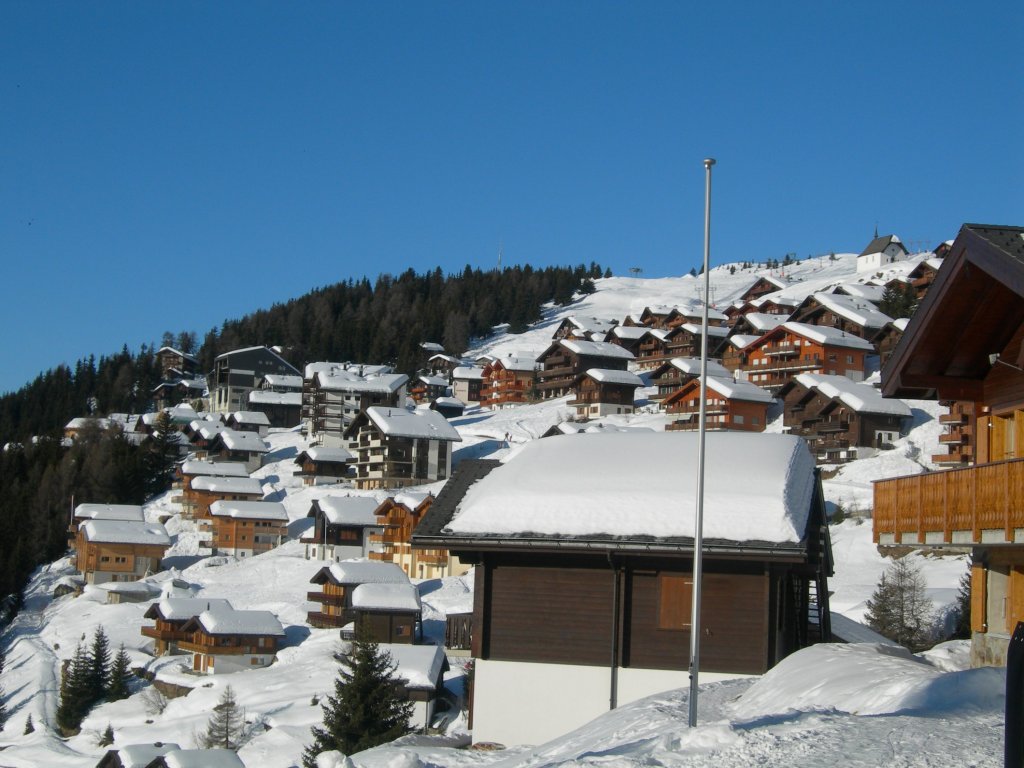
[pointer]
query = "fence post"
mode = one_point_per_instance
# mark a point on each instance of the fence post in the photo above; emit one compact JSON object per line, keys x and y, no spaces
{"x":1013,"y":747}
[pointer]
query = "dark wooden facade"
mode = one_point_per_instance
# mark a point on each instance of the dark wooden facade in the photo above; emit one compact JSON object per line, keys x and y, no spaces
{"x":561,"y":365}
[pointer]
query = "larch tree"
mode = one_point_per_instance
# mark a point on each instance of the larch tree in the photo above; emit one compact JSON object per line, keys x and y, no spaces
{"x":899,"y":607}
{"x":226,"y":726}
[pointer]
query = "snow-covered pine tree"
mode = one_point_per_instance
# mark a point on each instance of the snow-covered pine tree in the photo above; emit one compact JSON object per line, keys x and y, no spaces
{"x":108,"y":737}
{"x":29,"y":727}
{"x":899,"y":608}
{"x":99,"y":666}
{"x":367,"y":708}
{"x":225,"y":727}
{"x":120,"y":676}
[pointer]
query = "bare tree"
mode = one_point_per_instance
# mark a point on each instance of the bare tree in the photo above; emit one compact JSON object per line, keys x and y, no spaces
{"x":900,"y":609}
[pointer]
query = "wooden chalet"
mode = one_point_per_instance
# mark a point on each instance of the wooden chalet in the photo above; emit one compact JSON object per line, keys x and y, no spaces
{"x":399,"y":516}
{"x":419,"y":674}
{"x":333,"y":398}
{"x":583,"y":329}
{"x":206,"y":490}
{"x":756,"y":323}
{"x":626,"y":336}
{"x":508,"y":381}
{"x":338,"y":581}
{"x":959,"y":434}
{"x":136,"y":755}
{"x":652,"y":349}
{"x":923,"y":275}
{"x":119,"y":550}
{"x":774,"y":305}
{"x":762,"y":286}
{"x":734,"y":353}
{"x":343,"y":527}
{"x":442,"y":365}
{"x":282,"y":409}
{"x":839,"y":418}
{"x":428,"y":388}
{"x":225,"y":640}
{"x":176,"y":364}
{"x":170,"y":614}
{"x":238,"y":372}
{"x":795,"y":348}
{"x":201,"y":434}
{"x":670,"y":376}
{"x":614,"y":567}
{"x":281,"y":383}
{"x":600,"y":392}
{"x":189,"y":470}
{"x":565,"y":360}
{"x":248,"y":421}
{"x":467,"y":381}
{"x":395,"y":447}
{"x":850,"y":314}
{"x":247,"y":448}
{"x":965,"y":342}
{"x":694,"y":315}
{"x":885,"y":340}
{"x":388,"y":613}
{"x":731,"y":405}
{"x":91,"y":511}
{"x":178,"y":391}
{"x":247,"y":528}
{"x":655,"y":317}
{"x":323,"y":464}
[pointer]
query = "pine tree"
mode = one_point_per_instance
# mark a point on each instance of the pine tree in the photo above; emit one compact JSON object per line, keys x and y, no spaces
{"x":367,"y":708}
{"x":962,"y":630}
{"x":29,"y":727}
{"x":74,"y":692}
{"x":108,"y":736}
{"x":120,"y":676}
{"x":225,"y":726}
{"x":899,"y":608}
{"x":99,"y":666}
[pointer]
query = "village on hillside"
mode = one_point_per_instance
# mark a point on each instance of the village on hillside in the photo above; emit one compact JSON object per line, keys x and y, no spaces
{"x":514,"y":524}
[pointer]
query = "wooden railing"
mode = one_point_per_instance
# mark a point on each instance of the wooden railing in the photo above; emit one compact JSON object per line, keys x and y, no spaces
{"x":985,"y":497}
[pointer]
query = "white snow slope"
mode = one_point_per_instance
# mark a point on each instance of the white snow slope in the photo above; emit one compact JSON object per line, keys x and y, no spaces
{"x":859,"y":705}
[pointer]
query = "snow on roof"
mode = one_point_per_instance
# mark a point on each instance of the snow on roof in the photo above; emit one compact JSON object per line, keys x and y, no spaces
{"x":398,"y":422}
{"x":659,"y":333}
{"x":249,"y":510}
{"x":576,"y":427}
{"x":81,"y":422}
{"x":410,"y":499}
{"x":691,"y":367}
{"x":467,"y":372}
{"x":345,"y":381}
{"x":243,"y":441}
{"x":855,"y":309}
{"x":590,"y":323}
{"x":446,"y":358}
{"x":178,"y":352}
{"x":901,"y":323}
{"x":377,"y":596}
{"x":367,"y":572}
{"x":228,"y":621}
{"x":515,"y":362}
{"x":713,"y":330}
{"x":434,"y":381}
{"x":449,"y":402}
{"x":739,"y":390}
{"x":203,"y":758}
{"x":529,"y":493}
{"x":251,"y":417}
{"x":596,"y":348}
{"x":327,"y":453}
{"x":420,"y":666}
{"x":207,"y":428}
{"x":762,"y":321}
{"x":630,"y":332}
{"x":606,"y":376}
{"x":871,"y":293}
{"x":742,"y":340}
{"x":125,"y":532}
{"x":263,"y":397}
{"x":283,"y":380}
{"x":109,"y":512}
{"x":182,"y":608}
{"x":141,"y":755}
{"x":349,"y":510}
{"x":216,"y":468}
{"x":432,"y":346}
{"x":214,"y":484}
{"x":825,"y":334}
{"x":862,"y":398}
{"x":851,"y":631}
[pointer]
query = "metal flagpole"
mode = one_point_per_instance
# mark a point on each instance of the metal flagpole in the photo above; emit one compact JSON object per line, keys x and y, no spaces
{"x":698,"y":535}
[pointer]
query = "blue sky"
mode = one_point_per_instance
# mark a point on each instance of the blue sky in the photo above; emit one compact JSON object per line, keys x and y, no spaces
{"x":167,"y":166}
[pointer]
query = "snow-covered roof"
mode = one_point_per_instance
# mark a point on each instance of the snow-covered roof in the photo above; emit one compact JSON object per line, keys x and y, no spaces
{"x":263,"y":397}
{"x":691,"y":367}
{"x":410,"y":499}
{"x":862,"y":398}
{"x":178,"y":352}
{"x":80,"y":422}
{"x":398,"y":422}
{"x":739,"y":390}
{"x":182,"y":608}
{"x":590,"y":323}
{"x":228,"y":621}
{"x":243,"y":441}
{"x":216,"y":468}
{"x":125,"y":532}
{"x":251,"y":417}
{"x":467,"y":372}
{"x":345,"y":381}
{"x":659,"y":333}
{"x":214,"y":484}
{"x":448,"y":402}
{"x":826,"y":334}
{"x":90,"y":511}
{"x":432,"y":346}
{"x":901,"y":323}
{"x":349,"y":510}
{"x":516,"y":362}
{"x":141,"y":755}
{"x":207,"y":429}
{"x":854,"y":309}
{"x":529,"y":495}
{"x":720,"y":331}
{"x":420,"y":666}
{"x":283,"y":380}
{"x":327,"y":453}
{"x":596,"y":349}
{"x":249,"y":510}
{"x":872,"y":293}
{"x":366,"y":572}
{"x":743,"y":340}
{"x":434,"y":381}
{"x":629,"y":332}
{"x":203,"y":758}
{"x":763,"y":322}
{"x":606,"y":376}
{"x":378,"y":596}
{"x":444,"y":357}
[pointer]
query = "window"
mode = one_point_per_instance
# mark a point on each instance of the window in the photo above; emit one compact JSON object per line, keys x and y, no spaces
{"x":849,"y":359}
{"x":674,"y":598}
{"x":106,"y":559}
{"x":737,"y":419}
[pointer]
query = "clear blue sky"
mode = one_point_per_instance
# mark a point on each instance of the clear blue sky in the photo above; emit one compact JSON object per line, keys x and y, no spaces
{"x":166,"y":166}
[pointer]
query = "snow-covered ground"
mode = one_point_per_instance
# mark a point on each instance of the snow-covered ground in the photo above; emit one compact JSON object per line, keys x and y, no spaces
{"x":851,"y":705}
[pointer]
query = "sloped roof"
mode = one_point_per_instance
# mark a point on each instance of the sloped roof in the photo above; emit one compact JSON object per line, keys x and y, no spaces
{"x":215,"y":484}
{"x":467,"y":372}
{"x":386,"y":596}
{"x":249,"y":510}
{"x":862,"y":398}
{"x":251,"y":417}
{"x":215,"y":468}
{"x":89,"y":511}
{"x":243,"y":441}
{"x":398,"y":422}
{"x":348,"y":510}
{"x":182,"y":608}
{"x":326,"y":453}
{"x":125,"y":532}
{"x":228,"y":621}
{"x":855,"y":309}
{"x":881,"y":243}
{"x":420,"y":666}
{"x":691,"y":367}
{"x":824,"y":334}
{"x":605,"y":376}
{"x":596,"y":349}
{"x":361,"y":572}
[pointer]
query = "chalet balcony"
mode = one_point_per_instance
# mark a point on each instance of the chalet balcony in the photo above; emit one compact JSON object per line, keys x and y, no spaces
{"x":786,"y":365}
{"x":439,"y":560}
{"x":325,"y":620}
{"x":781,"y":350}
{"x":956,"y":458}
{"x":382,"y":557}
{"x":325,"y":599}
{"x":973,"y":505}
{"x":953,"y":438}
{"x":833,"y":426}
{"x":223,"y":650}
{"x":953,"y":418}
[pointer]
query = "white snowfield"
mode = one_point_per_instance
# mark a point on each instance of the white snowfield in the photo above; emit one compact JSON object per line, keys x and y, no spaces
{"x":861,"y":705}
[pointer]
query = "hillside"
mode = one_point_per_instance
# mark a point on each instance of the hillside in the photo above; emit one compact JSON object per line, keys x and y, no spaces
{"x":883,"y":706}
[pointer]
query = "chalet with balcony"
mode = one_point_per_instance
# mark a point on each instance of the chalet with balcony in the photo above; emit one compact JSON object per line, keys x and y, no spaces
{"x":175,"y":364}
{"x":795,"y":348}
{"x":206,"y":490}
{"x":322,"y":464}
{"x":119,"y":550}
{"x":840,"y":418}
{"x":399,"y":515}
{"x":90,"y":511}
{"x":923,"y":275}
{"x":178,"y":391}
{"x":600,"y":392}
{"x":652,"y":349}
{"x":850,"y":314}
{"x":670,"y":376}
{"x":395,"y":447}
{"x":965,"y":343}
{"x":201,"y":433}
{"x":428,"y":388}
{"x":239,"y":372}
{"x":282,"y":409}
{"x":687,"y":340}
{"x":762,"y":286}
{"x":729,"y":405}
{"x":565,"y":360}
{"x":885,"y":340}
{"x":694,"y":314}
{"x":334,"y":397}
{"x":191,"y":469}
{"x":736,"y":349}
{"x":466,"y":383}
{"x":508,"y":381}
{"x":343,"y":527}
{"x":626,"y":336}
{"x":959,"y":434}
{"x":614,"y":625}
{"x":247,"y":448}
{"x":756,"y":324}
{"x":442,"y":365}
{"x":881,"y":252}
{"x":583,"y":329}
{"x":389,"y":613}
{"x":225,"y":640}
{"x":654,"y":317}
{"x":170,"y":614}
{"x":248,"y":421}
{"x":248,"y":528}
{"x":337,"y":583}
